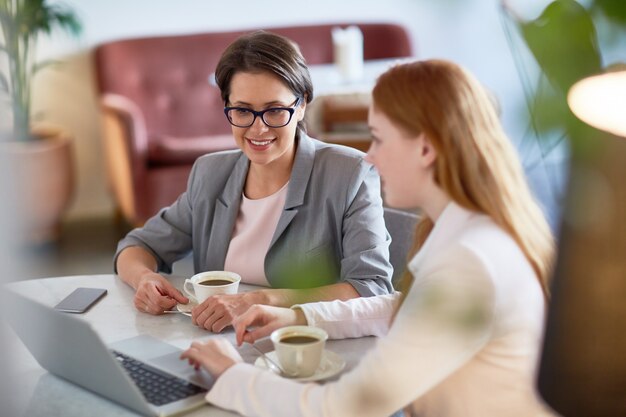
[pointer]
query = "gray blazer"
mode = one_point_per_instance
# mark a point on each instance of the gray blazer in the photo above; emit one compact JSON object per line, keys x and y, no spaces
{"x":331,"y":229}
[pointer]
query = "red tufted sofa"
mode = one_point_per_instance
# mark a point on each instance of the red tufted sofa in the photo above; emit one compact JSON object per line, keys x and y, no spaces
{"x":160,"y":112}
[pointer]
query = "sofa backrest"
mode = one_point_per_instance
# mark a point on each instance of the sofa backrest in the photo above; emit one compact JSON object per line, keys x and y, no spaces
{"x":167,"y":77}
{"x":380,"y":40}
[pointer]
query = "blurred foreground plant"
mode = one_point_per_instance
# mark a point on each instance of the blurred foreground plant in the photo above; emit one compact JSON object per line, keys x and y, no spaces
{"x":22,"y":21}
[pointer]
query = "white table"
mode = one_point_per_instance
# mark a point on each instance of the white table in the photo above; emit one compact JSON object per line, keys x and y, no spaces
{"x":39,"y":393}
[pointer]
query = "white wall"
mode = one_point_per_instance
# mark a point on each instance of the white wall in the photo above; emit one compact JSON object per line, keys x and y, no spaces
{"x":468,"y":32}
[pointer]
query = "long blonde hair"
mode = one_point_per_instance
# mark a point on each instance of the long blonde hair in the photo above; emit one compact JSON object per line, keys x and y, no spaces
{"x":476,"y":163}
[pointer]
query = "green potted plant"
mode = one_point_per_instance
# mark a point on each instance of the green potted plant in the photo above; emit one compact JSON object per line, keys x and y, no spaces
{"x":40,"y":158}
{"x":567,"y":42}
{"x":564,"y":42}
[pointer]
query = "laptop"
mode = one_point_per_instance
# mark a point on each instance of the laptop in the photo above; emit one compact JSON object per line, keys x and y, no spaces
{"x":141,"y":373}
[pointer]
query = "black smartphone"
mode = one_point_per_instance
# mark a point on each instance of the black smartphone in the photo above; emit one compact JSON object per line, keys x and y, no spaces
{"x":80,"y":300}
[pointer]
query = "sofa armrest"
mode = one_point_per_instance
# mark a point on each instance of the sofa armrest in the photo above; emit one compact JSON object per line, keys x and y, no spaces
{"x":126,"y":151}
{"x":132,"y":120}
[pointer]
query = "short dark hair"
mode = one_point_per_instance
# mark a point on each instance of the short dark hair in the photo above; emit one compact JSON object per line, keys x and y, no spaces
{"x":265,"y":51}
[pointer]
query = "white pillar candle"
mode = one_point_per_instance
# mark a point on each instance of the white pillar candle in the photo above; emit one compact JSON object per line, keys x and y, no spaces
{"x":348,"y":52}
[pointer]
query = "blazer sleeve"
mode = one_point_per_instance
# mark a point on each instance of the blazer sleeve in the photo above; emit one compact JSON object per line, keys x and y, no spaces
{"x":430,"y":339}
{"x":365,"y":262}
{"x":168,"y":234}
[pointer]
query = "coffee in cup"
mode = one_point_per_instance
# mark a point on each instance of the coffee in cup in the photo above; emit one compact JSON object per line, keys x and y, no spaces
{"x":215,"y":282}
{"x":299,"y":349}
{"x":205,"y":284}
{"x":298,"y":340}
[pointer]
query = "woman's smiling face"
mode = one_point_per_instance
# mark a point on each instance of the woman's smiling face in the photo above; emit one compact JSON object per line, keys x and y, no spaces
{"x":258,"y":91}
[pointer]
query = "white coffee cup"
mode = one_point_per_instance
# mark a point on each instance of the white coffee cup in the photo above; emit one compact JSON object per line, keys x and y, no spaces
{"x":199,"y":287}
{"x":299,"y":349}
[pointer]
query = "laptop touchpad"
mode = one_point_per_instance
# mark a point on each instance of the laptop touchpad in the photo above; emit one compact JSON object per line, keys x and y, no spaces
{"x":164,"y":356}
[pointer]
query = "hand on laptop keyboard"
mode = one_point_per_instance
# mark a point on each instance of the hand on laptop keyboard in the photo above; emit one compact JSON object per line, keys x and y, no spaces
{"x":158,"y":387}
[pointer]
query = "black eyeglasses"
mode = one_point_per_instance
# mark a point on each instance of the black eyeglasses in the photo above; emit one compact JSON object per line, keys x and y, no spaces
{"x":272,"y":117}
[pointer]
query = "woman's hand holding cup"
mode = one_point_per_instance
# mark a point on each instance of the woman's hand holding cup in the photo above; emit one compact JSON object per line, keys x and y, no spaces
{"x":265,"y":319}
{"x":218,"y":311}
{"x":217,"y":298}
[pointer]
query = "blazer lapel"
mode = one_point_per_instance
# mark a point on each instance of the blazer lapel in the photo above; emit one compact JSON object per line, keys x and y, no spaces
{"x":300,"y":174}
{"x":225,"y":214}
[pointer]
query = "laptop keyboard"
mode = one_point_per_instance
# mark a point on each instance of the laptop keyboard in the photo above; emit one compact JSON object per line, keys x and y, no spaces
{"x":158,"y":387}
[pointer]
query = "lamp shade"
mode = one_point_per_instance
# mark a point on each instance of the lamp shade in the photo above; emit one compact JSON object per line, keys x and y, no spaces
{"x":600,"y":101}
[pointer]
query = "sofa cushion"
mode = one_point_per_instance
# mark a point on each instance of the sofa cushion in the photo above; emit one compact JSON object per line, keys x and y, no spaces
{"x":172,"y":150}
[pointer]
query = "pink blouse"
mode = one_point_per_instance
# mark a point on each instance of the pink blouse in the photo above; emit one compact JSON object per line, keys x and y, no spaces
{"x":254,"y":229}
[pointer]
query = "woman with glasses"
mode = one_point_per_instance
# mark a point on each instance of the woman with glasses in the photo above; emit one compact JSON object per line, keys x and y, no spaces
{"x":463,"y":338}
{"x":284,"y":211}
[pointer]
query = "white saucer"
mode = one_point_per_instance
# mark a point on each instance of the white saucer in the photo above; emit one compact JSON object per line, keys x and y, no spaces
{"x":330,"y":365}
{"x":186,"y":308}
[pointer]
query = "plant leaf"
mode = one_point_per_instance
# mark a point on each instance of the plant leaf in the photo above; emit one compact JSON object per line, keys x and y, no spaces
{"x":614,"y":10}
{"x":563,"y":40}
{"x":43,"y":64}
{"x":33,"y":17}
{"x":550,"y":111}
{"x":4,"y":83}
{"x":64,"y":18}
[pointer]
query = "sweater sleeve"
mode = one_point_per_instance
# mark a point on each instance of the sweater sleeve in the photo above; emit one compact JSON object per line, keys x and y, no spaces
{"x":357,"y":317}
{"x":445,"y":320}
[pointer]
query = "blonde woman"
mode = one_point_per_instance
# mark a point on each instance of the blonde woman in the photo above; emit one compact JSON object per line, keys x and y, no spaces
{"x":464,"y":339}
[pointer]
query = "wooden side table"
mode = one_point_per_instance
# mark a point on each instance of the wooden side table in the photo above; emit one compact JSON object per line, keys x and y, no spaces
{"x":336,"y":112}
{"x":343,"y":120}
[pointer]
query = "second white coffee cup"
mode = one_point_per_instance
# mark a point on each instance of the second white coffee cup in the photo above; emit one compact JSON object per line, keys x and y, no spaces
{"x":205,"y":284}
{"x":299,"y":349}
